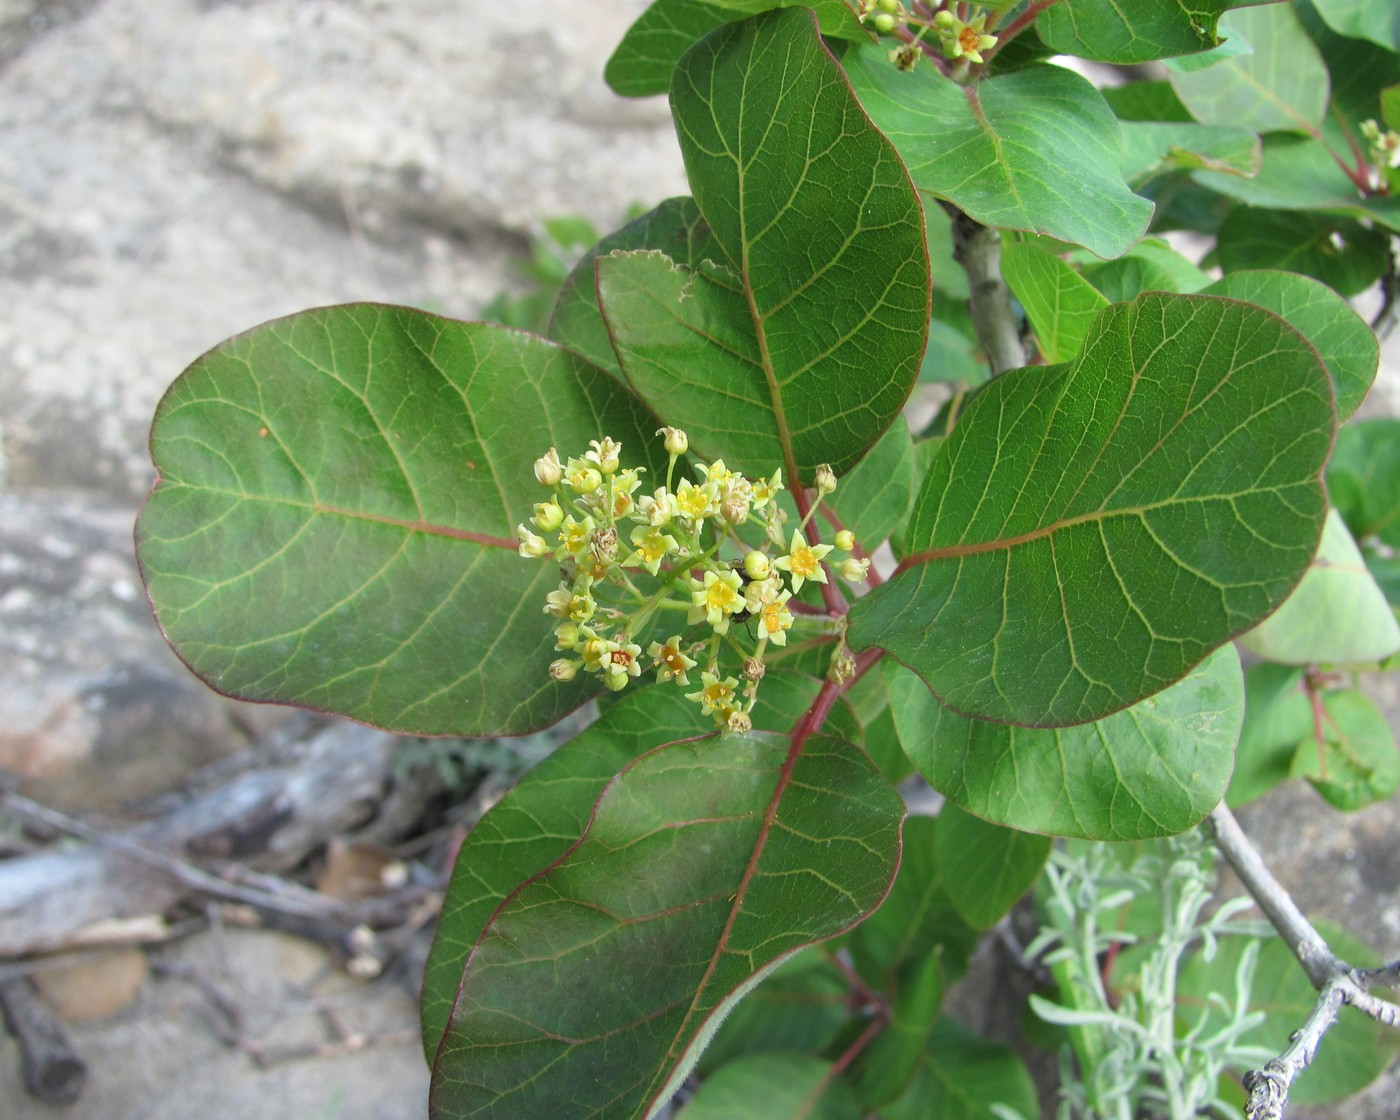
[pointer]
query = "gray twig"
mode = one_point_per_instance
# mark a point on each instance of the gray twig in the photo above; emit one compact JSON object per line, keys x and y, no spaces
{"x":978,"y":249}
{"x":1337,"y":982}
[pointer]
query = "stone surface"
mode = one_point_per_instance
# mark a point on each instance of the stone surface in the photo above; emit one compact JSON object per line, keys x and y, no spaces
{"x":95,"y":710}
{"x":176,"y":171}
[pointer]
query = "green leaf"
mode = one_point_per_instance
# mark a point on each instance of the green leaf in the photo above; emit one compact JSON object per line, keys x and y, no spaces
{"x":1298,"y":173}
{"x":548,"y":809}
{"x":801,"y":345}
{"x":1147,"y":101}
{"x":1153,"y":148}
{"x":1058,"y":301}
{"x":986,"y":867}
{"x":334,"y":523}
{"x":1364,"y":478}
{"x":1152,"y":770}
{"x":883,"y":1071}
{"x":1150,"y":266}
{"x":711,"y":861}
{"x":1390,"y":107}
{"x":773,"y":1085}
{"x":1036,"y":149}
{"x":1355,"y":1050}
{"x":1104,"y":31}
{"x":1356,"y":763}
{"x":675,"y":228}
{"x":836,"y":18}
{"x":917,"y":920}
{"x":1091,"y":531}
{"x":1345,"y":342}
{"x":962,"y":1076}
{"x":1276,"y":716}
{"x":1336,"y":616}
{"x":1377,"y":20}
{"x":802,"y":1006}
{"x":1283,"y":84}
{"x":1341,"y":253}
{"x":876,"y":495}
{"x":644,"y":61}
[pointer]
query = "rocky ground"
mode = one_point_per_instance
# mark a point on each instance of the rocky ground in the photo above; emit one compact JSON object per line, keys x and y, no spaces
{"x":174,"y":171}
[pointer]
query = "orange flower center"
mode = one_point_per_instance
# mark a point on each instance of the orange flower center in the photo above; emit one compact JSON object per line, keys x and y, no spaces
{"x":968,"y":38}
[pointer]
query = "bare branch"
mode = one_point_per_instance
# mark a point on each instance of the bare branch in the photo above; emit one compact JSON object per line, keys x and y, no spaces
{"x":1337,"y":982}
{"x":978,"y":249}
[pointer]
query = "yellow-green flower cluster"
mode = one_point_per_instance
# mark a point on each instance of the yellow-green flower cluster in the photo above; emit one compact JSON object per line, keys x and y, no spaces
{"x":626,"y":555}
{"x":957,"y":38}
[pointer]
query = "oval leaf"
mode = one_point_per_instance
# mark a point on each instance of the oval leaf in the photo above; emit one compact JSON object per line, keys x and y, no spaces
{"x":548,"y":809}
{"x":333,"y":525}
{"x":986,"y":867}
{"x":1152,"y":770}
{"x":675,"y":228}
{"x":1090,"y":532}
{"x":802,"y":344}
{"x":1336,"y":616}
{"x":1059,"y":302}
{"x":1348,"y":346}
{"x":1104,"y":30}
{"x":774,"y":1085}
{"x":1037,"y":149}
{"x":1281,"y":84}
{"x":708,"y":862}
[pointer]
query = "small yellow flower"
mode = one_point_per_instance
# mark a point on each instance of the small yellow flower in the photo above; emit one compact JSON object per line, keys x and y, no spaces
{"x":671,"y":662}
{"x":718,"y":596}
{"x":652,"y":547}
{"x":715,"y":694}
{"x":548,"y":516}
{"x":716,"y":472}
{"x":803,"y":561}
{"x":766,"y":489}
{"x":604,"y":454}
{"x":582,"y":476}
{"x":964,"y":40}
{"x":620,"y":663}
{"x":623,"y":484}
{"x":694,"y":502}
{"x":557,"y":602}
{"x":775,"y":620}
{"x":657,"y":509}
{"x":575,"y":536}
{"x":760,"y":592}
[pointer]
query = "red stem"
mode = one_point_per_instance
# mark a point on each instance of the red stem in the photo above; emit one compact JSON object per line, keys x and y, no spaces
{"x":1015,"y":27}
{"x":835,"y":605}
{"x":838,"y":1067}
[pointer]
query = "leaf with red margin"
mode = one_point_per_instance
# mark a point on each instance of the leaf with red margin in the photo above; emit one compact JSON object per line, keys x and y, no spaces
{"x":708,"y":862}
{"x":1091,"y":531}
{"x":334,"y":521}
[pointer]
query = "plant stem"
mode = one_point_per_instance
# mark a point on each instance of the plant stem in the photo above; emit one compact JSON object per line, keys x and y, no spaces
{"x":978,"y":249}
{"x":1337,"y":982}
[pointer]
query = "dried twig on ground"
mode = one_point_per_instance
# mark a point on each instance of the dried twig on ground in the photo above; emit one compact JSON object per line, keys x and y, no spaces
{"x":53,"y":1070}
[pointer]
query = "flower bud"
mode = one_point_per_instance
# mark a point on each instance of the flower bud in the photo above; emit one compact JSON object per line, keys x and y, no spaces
{"x":563,"y":669}
{"x":567,"y":636}
{"x":583,"y":478}
{"x":826,"y":479}
{"x":548,"y":516}
{"x":845,"y":540}
{"x":757,"y":565}
{"x":676,"y":441}
{"x":891,"y":6}
{"x":944,"y":18}
{"x":853,"y":570}
{"x":884,"y":23}
{"x":531,"y":546}
{"x":735,"y":509}
{"x":548,"y":469}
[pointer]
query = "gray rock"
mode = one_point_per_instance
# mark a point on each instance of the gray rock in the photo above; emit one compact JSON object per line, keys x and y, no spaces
{"x":95,"y":710}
